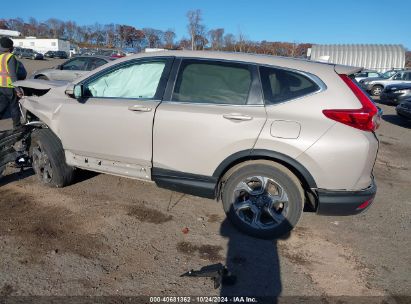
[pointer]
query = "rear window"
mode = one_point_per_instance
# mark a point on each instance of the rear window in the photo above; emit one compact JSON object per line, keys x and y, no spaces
{"x":281,"y":85}
{"x":212,"y":82}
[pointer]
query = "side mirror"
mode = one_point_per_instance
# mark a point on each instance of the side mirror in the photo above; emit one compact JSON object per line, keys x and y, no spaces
{"x":70,"y":90}
{"x":59,"y":67}
{"x":78,"y":91}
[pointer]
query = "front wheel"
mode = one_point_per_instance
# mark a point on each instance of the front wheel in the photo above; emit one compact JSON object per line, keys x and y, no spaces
{"x":49,"y":162}
{"x":376,"y":90}
{"x":263,"y":199}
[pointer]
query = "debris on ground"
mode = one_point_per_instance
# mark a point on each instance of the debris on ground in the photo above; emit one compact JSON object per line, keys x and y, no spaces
{"x":217,"y":272}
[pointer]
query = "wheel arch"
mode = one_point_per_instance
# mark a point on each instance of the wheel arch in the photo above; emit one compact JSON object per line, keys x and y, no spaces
{"x":37,"y":76}
{"x":305,"y":177}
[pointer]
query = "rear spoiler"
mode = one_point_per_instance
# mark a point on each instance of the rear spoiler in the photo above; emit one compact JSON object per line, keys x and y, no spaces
{"x":346,"y":69}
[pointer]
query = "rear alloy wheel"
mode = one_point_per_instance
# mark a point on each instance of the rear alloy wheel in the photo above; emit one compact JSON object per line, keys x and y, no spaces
{"x":42,"y":77}
{"x":48,"y":159}
{"x":263,"y":199}
{"x":376,"y":90}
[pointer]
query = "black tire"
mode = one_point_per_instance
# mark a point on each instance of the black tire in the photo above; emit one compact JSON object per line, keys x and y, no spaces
{"x":376,"y":90}
{"x":279,"y":176}
{"x":49,"y":161}
{"x":42,"y":77}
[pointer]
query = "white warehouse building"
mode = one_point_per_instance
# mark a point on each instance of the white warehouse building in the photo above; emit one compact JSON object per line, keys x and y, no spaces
{"x":42,"y":45}
{"x":380,"y":57}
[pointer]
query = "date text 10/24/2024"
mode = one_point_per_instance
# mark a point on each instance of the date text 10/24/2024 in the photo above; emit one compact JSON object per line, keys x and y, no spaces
{"x":203,"y":299}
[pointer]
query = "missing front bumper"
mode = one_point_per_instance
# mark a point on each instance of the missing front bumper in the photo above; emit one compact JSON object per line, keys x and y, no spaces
{"x":14,"y":146}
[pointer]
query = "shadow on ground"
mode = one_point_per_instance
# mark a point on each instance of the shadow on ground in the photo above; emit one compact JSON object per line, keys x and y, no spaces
{"x":15,"y":176}
{"x":254,"y":262}
{"x":397,"y":120}
{"x":83,"y":175}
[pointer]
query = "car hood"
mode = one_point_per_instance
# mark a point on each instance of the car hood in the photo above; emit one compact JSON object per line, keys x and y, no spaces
{"x":44,"y":99}
{"x":40,"y":84}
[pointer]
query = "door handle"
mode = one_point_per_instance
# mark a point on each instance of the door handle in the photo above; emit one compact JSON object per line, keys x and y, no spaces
{"x":138,"y":108}
{"x":236,"y":116}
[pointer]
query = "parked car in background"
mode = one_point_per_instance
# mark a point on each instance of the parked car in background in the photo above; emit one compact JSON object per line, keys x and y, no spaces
{"x":72,"y":69}
{"x":366,"y":74}
{"x":60,"y":55}
{"x":226,"y":126}
{"x":396,"y":93}
{"x":376,"y":85}
{"x":404,"y":108}
{"x":73,"y":52}
{"x":27,"y":53}
{"x":49,"y":54}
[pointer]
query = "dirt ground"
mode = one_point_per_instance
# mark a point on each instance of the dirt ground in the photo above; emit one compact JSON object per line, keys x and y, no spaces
{"x":107,"y":235}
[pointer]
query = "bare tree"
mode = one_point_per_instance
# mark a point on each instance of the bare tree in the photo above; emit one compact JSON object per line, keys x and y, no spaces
{"x":229,"y":42}
{"x":216,"y":38}
{"x":195,"y":28}
{"x":110,"y":31}
{"x":184,"y":44}
{"x":242,"y":43}
{"x":169,"y":37}
{"x":56,"y":27}
{"x":153,"y":37}
{"x":71,"y":30}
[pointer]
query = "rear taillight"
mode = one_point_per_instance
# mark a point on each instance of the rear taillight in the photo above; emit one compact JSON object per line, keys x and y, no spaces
{"x":365,"y":119}
{"x":365,"y":204}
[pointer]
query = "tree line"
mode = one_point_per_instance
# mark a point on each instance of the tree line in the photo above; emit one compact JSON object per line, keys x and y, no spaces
{"x":126,"y":36}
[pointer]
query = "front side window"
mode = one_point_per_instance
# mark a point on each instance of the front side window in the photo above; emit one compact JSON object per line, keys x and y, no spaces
{"x":139,"y":80}
{"x":201,"y":81}
{"x":281,"y":85}
{"x":398,"y":76}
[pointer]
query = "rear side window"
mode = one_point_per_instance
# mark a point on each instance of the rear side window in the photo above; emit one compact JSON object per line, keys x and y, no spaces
{"x":95,"y":63}
{"x":281,"y":85}
{"x":78,"y":64}
{"x":212,"y":82}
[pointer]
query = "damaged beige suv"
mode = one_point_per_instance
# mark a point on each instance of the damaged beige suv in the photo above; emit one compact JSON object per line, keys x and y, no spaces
{"x":267,"y":136}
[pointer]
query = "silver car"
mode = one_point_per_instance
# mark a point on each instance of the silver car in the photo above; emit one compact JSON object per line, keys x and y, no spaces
{"x":366,"y":74}
{"x":376,"y":85}
{"x":72,"y":69}
{"x":264,"y":135}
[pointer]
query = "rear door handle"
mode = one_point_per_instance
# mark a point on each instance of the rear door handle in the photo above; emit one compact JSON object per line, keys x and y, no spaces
{"x":138,"y":108}
{"x":236,"y":116}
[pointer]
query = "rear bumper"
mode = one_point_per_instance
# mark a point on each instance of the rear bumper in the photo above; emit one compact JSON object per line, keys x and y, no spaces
{"x":345,"y":202}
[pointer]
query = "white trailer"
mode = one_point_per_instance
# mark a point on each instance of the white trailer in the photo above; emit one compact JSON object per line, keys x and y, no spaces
{"x":42,"y":45}
{"x":9,"y":33}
